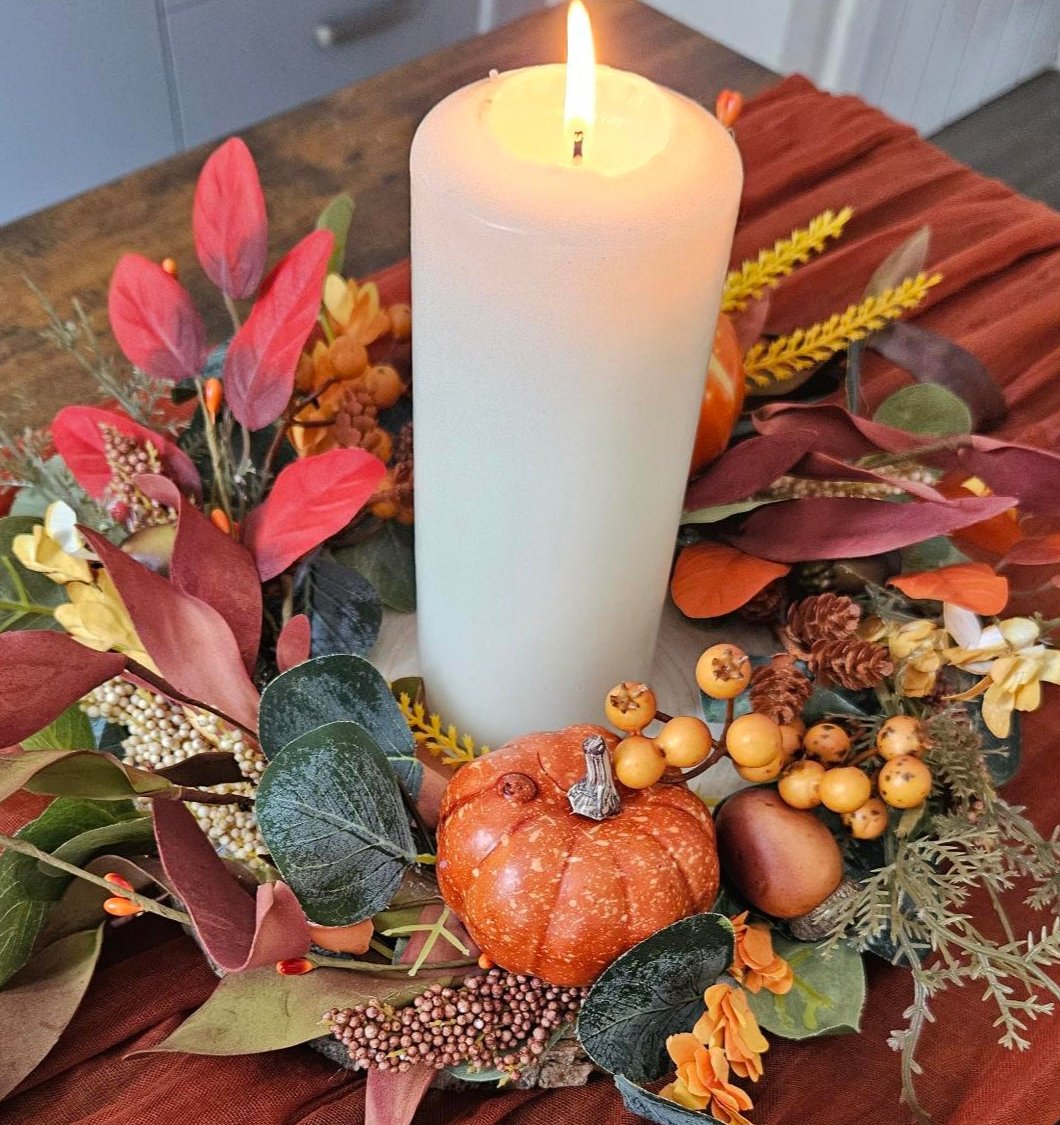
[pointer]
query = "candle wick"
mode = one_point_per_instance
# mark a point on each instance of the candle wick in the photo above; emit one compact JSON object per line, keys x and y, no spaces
{"x":579,"y":144}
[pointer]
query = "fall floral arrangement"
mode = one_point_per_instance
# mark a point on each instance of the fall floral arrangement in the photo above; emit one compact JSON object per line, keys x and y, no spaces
{"x":191,"y":581}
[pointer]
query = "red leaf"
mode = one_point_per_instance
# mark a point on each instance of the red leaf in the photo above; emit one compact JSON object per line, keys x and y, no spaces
{"x":1042,"y":551}
{"x":188,"y":640}
{"x":294,"y":643}
{"x":260,"y":364}
{"x":213,"y":567}
{"x":972,"y":586}
{"x":154,"y":321}
{"x":712,"y":579}
{"x":231,"y":229}
{"x":237,"y":931}
{"x":839,"y":528}
{"x":311,"y":500}
{"x":43,"y":674}
{"x":79,"y":442}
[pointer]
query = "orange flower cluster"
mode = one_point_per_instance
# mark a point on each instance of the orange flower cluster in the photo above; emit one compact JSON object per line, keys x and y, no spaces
{"x":755,"y":964}
{"x":344,"y":385}
{"x":727,"y":1034}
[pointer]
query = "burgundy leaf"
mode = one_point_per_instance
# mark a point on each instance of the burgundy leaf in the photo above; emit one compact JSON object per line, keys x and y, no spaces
{"x":260,"y":364}
{"x":237,"y":931}
{"x":213,"y":567}
{"x":843,"y":434}
{"x":78,"y":435}
{"x":391,"y":1097}
{"x":748,"y":467}
{"x":154,"y":321}
{"x":231,"y":229}
{"x":837,"y":527}
{"x":43,"y":674}
{"x":189,"y":641}
{"x":750,"y":322}
{"x":1042,"y":550}
{"x":1031,"y":475}
{"x":311,"y":500}
{"x":931,"y":358}
{"x":294,"y":643}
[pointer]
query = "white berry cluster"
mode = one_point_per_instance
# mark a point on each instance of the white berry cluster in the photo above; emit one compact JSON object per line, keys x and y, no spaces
{"x":162,"y":733}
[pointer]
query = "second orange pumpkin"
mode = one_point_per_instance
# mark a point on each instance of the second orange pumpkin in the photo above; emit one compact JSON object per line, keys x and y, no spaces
{"x":723,"y":396}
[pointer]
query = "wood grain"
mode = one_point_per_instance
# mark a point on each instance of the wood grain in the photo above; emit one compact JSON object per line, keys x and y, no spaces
{"x":356,"y":140}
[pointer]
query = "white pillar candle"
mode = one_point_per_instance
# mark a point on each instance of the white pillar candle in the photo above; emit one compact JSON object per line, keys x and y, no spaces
{"x":567,"y":266}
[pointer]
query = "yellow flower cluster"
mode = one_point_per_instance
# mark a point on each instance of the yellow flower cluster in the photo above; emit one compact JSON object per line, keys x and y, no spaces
{"x":95,"y":614}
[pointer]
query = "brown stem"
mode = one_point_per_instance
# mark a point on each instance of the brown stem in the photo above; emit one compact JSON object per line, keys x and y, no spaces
{"x":207,"y":797}
{"x":596,"y":795}
{"x":290,"y":414}
{"x":662,"y":717}
{"x":152,"y":679}
{"x":946,"y":445}
{"x":716,"y":754}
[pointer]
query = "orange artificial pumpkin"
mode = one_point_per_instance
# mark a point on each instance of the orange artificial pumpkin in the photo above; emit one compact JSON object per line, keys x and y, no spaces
{"x":722,"y":398}
{"x":547,"y":891}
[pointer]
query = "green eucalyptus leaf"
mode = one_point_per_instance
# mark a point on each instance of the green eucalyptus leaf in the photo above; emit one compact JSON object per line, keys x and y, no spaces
{"x":345,"y":612}
{"x":337,"y":217}
{"x":468,"y":1073}
{"x":931,"y":554}
{"x":27,"y":599}
{"x":653,"y":1108}
{"x":826,"y":997}
{"x":42,"y":999}
{"x":331,"y":814}
{"x":335,"y":689}
{"x":925,"y":408}
{"x":387,"y":560}
{"x":828,"y":701}
{"x":652,"y":991}
{"x":72,"y":730}
{"x":261,"y":1010}
{"x":26,"y":892}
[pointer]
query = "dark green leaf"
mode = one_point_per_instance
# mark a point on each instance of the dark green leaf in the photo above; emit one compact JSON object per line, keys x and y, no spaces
{"x":828,"y":701}
{"x":260,"y":1010}
{"x":925,"y":408}
{"x":826,"y":998}
{"x":653,"y":1108}
{"x":336,"y":217}
{"x":41,"y":1000}
{"x":723,"y":511}
{"x":344,"y":609}
{"x":26,"y":598}
{"x":931,"y":554}
{"x":336,"y":689}
{"x":26,"y":892}
{"x":652,"y":991}
{"x":70,"y":731}
{"x":412,"y":686}
{"x":134,"y":836}
{"x":331,"y":814}
{"x":76,"y":773}
{"x":211,"y":767}
{"x":852,"y":377}
{"x":387,"y":560}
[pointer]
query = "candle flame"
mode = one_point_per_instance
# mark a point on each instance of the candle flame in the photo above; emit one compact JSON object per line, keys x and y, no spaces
{"x":579,"y":110}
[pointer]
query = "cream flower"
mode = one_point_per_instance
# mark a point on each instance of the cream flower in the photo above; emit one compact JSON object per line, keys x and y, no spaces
{"x":39,"y":552}
{"x":98,"y":619}
{"x":1011,"y":659}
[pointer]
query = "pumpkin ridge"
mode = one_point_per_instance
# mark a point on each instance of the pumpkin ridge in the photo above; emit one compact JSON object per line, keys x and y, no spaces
{"x":559,"y":789}
{"x":534,"y":960}
{"x":684,"y":812}
{"x":673,"y":860}
{"x":623,"y":882}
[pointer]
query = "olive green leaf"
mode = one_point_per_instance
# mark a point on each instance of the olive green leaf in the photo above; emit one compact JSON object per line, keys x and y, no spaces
{"x":925,"y":408}
{"x":41,"y":1000}
{"x":652,"y":991}
{"x":27,"y":893}
{"x":332,"y":816}
{"x":653,"y":1108}
{"x":27,"y":599}
{"x":337,"y":217}
{"x":826,"y":998}
{"x":70,"y":731}
{"x":388,"y":561}
{"x":720,"y":512}
{"x":261,"y":1010}
{"x":76,"y":773}
{"x":336,"y":689}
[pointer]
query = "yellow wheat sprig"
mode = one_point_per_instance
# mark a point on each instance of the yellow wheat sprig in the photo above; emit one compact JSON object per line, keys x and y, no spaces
{"x":765,"y":271}
{"x":776,"y":362}
{"x":445,"y":743}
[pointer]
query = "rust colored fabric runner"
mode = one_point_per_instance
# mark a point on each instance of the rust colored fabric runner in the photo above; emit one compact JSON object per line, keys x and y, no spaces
{"x":1000,"y":253}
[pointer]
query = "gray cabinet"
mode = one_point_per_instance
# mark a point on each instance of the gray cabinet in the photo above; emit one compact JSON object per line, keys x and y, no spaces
{"x":238,"y":61}
{"x":84,"y":97}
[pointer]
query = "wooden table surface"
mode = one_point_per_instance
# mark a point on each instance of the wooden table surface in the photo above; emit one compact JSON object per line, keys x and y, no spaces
{"x":356,"y":140}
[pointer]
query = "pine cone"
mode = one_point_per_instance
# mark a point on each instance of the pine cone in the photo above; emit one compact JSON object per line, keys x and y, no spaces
{"x":824,"y":617}
{"x":780,"y":690}
{"x":768,"y":604}
{"x":853,"y":664}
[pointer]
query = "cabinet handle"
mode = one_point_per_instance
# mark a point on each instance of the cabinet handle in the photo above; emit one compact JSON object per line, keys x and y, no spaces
{"x":374,"y":17}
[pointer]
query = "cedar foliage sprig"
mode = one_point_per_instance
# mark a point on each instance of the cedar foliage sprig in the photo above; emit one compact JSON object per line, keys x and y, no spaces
{"x":769,"y":365}
{"x":970,"y":839}
{"x":446,"y":742}
{"x":764,"y":272}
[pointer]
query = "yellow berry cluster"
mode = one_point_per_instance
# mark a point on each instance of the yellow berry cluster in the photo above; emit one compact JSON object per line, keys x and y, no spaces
{"x":825,"y":776}
{"x":640,"y":761}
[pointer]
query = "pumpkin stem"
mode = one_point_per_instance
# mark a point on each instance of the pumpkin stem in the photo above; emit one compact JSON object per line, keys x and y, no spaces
{"x":595,"y":796}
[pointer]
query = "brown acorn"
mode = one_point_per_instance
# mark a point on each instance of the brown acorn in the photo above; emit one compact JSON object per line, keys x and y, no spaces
{"x":782,"y":861}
